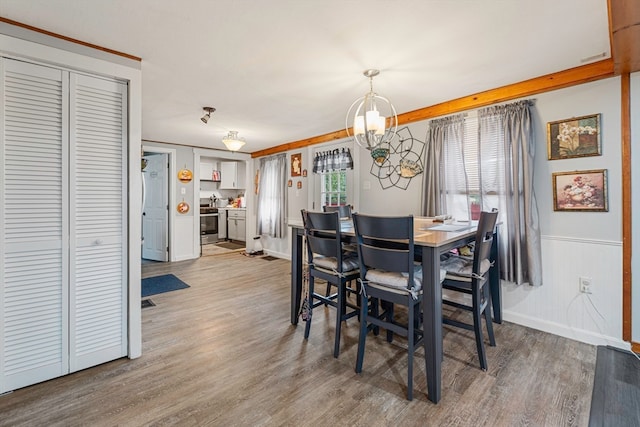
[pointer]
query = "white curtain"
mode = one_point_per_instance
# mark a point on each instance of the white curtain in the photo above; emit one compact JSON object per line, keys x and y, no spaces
{"x":507,"y":151}
{"x":272,"y":196}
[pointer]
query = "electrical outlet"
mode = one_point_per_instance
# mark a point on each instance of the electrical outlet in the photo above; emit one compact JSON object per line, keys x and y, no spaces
{"x":585,"y":285}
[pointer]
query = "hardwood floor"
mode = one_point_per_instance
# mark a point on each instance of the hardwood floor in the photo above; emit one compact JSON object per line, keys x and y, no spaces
{"x":223,"y":353}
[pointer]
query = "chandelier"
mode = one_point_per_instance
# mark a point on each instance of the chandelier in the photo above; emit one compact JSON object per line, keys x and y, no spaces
{"x":369,"y":115}
{"x":232,"y":141}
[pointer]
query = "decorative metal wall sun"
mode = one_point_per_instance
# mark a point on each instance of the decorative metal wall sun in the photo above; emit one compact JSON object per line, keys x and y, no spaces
{"x":397,"y":163}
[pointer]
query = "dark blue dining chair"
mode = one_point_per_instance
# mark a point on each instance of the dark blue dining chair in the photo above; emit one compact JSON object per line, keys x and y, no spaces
{"x":388,"y":276}
{"x":471,"y":277}
{"x":327,"y":260}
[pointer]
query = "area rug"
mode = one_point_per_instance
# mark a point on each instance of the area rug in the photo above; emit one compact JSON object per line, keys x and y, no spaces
{"x":161,"y":284}
{"x":616,"y":388}
{"x":231,"y":245}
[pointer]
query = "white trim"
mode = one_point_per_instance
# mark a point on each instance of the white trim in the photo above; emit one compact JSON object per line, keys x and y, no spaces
{"x":581,"y":241}
{"x":565,"y":331}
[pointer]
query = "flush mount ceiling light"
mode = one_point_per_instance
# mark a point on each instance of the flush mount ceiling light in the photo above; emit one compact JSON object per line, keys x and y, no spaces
{"x":372,"y":119}
{"x":207,"y":115}
{"x":232,"y":141}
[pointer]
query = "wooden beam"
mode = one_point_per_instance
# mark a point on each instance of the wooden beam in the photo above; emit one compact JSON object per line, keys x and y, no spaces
{"x":627,"y":226}
{"x":69,"y":39}
{"x":574,"y":76}
{"x":624,"y":24}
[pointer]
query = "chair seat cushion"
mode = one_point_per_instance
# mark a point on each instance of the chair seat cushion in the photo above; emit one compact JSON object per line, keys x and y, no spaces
{"x":460,"y":268}
{"x":392,"y":279}
{"x":331,"y":263}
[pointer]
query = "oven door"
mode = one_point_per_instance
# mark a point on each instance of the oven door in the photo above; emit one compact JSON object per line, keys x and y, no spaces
{"x":209,"y":228}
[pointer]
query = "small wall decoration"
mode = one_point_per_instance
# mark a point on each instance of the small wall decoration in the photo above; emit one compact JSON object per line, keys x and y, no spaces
{"x":304,"y":173}
{"x":183,"y":207}
{"x":575,"y":137}
{"x":299,"y":185}
{"x":397,"y":163}
{"x":296,"y":164}
{"x":185,"y":175}
{"x":580,"y":191}
{"x":215,"y":175}
{"x":290,"y":183}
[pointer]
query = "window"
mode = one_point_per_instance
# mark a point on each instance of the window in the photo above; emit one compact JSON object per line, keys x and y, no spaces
{"x":333,"y":188}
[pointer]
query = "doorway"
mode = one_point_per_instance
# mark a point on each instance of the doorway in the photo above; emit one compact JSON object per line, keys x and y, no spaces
{"x":156,"y":221}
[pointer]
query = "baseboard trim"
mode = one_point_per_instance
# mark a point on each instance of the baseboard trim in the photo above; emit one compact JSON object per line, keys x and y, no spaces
{"x":565,"y":331}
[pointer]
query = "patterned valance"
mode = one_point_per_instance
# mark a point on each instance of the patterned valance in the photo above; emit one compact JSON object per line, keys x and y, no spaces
{"x":333,"y":160}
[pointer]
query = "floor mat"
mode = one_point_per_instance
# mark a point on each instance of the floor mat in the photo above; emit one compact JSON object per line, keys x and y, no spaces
{"x":160,"y":284}
{"x":615,"y":400}
{"x":231,"y":245}
{"x":269,"y":258}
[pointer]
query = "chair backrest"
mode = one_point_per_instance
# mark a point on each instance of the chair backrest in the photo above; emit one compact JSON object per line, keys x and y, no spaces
{"x":484,"y":238}
{"x":385,"y":243}
{"x":343,"y":210}
{"x":322,"y":231}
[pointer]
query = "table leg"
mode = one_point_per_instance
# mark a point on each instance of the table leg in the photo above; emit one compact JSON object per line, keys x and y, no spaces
{"x":296,"y":273}
{"x":432,"y":314}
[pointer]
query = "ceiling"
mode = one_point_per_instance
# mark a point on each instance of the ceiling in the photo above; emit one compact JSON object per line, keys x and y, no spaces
{"x":286,"y":70}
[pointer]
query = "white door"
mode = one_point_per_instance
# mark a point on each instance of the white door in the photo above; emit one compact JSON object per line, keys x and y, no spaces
{"x":155,"y":214}
{"x":98,"y":231}
{"x":34,"y":216}
{"x":63,"y":210}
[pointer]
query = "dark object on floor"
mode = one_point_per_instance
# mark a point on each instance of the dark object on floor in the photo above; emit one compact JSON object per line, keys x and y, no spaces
{"x":147,"y":303}
{"x":616,"y":389}
{"x":269,"y":258}
{"x":231,"y":245}
{"x":161,"y":284}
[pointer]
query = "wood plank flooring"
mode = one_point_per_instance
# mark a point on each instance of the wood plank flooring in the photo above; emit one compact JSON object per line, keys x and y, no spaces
{"x":223,"y":353}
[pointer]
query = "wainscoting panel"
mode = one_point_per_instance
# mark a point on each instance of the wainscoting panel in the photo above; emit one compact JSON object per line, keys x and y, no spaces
{"x":558,"y":306}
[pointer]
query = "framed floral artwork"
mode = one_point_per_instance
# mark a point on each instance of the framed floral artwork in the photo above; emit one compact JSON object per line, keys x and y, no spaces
{"x":575,"y":137}
{"x":584,"y":191}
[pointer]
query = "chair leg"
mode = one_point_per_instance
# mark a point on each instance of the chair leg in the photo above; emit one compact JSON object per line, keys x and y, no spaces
{"x":410,"y":344}
{"x":328,"y":291}
{"x":488,"y":319}
{"x":341,"y":308}
{"x":477,"y":328}
{"x":389,"y":318}
{"x":363,"y":332}
{"x":307,"y":326}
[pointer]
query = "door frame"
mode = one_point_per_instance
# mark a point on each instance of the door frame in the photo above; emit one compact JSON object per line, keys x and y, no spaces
{"x":172,"y":191}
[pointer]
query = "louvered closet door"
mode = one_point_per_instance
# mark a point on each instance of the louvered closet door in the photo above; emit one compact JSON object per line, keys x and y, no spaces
{"x":98,"y":223}
{"x":34,"y":217}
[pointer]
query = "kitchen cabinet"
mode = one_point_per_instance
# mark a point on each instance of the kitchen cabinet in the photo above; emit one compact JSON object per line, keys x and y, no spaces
{"x":236,"y":224}
{"x":232,"y":175}
{"x":207,"y":172}
{"x":222,"y":224}
{"x":63,"y":274}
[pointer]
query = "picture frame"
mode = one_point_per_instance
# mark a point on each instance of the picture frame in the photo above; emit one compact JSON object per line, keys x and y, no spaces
{"x":289,"y":183}
{"x":304,"y":173}
{"x":580,"y":191}
{"x":574,"y":137}
{"x":299,"y":185}
{"x":296,"y":164}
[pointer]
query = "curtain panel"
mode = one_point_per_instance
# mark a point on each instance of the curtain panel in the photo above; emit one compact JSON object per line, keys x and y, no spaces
{"x":444,"y":143}
{"x":272,"y":196}
{"x":506,"y":135}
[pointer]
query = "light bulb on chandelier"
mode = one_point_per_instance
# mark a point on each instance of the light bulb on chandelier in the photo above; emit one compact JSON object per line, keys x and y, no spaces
{"x":368,"y":116}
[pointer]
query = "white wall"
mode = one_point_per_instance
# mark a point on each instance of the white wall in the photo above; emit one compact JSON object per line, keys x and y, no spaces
{"x":574,"y":244}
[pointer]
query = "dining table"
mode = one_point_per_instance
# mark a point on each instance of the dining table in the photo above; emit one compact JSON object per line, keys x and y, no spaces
{"x":431,"y":239}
